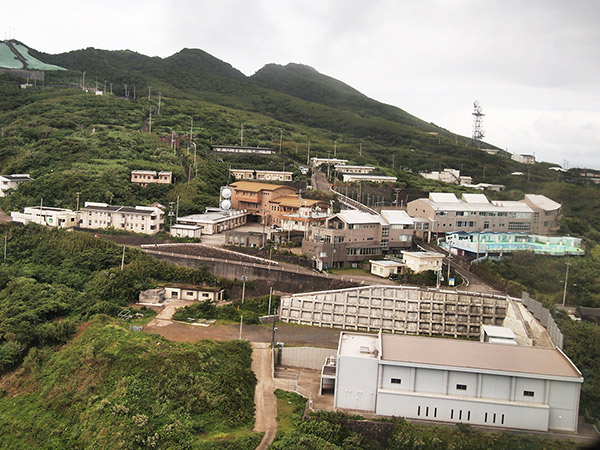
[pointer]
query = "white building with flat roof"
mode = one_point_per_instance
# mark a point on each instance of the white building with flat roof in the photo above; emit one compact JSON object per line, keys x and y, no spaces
{"x":261,"y":175}
{"x":422,"y":261}
{"x":358,"y":178}
{"x":12,"y":182}
{"x":47,"y":216}
{"x":343,"y":168}
{"x":385,"y":267}
{"x":213,"y":221}
{"x":452,"y":380}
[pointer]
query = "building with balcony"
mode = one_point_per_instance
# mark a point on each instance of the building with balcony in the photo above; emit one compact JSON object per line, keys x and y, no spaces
{"x":12,"y":182}
{"x":138,"y":219}
{"x":294,"y":206}
{"x":474,"y":212}
{"x":255,"y":197}
{"x":146,"y":177}
{"x":260,"y":175}
{"x":451,"y":380}
{"x":351,"y":236}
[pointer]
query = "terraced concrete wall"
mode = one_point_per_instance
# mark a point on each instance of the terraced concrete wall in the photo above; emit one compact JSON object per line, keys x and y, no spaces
{"x":396,"y":309}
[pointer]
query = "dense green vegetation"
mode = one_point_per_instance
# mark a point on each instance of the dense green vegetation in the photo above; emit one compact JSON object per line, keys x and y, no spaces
{"x":113,"y":388}
{"x":251,"y":309}
{"x":53,"y":280}
{"x":334,"y":431}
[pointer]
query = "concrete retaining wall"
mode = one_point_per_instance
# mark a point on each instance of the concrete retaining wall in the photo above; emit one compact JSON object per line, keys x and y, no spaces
{"x":304,"y":357}
{"x":396,"y":309}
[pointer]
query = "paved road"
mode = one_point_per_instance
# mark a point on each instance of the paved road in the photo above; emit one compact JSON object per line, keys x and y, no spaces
{"x":264,"y":398}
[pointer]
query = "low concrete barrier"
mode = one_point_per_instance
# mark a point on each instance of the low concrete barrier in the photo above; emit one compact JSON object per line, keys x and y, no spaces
{"x":304,"y":357}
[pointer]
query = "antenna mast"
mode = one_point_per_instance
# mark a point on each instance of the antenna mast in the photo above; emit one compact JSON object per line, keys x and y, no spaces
{"x":478,"y":131}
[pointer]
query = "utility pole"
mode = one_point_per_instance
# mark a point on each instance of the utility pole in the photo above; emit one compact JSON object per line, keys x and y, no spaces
{"x":308,"y":153}
{"x":134,"y":97}
{"x":191,"y":130}
{"x":148,"y":92}
{"x":449,"y":257}
{"x":158,"y":112}
{"x":566,"y":280}
{"x":242,"y":136}
{"x":150,"y":124}
{"x":177,"y":209}
{"x":334,"y":149}
{"x":280,"y":140}
{"x":360,"y":149}
{"x":77,"y":208}
{"x":270,"y":296}
{"x":244,"y":278}
{"x":83,"y":82}
{"x":111,"y":89}
{"x":123,"y":259}
{"x":126,"y":93}
{"x":241,"y":324}
{"x":5,"y":243}
{"x":104,"y":91}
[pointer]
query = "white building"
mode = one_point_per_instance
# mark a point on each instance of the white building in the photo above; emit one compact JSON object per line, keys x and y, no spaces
{"x":193,"y":292}
{"x":524,"y":159}
{"x":451,"y":380}
{"x":138,"y":219}
{"x":316,"y":162}
{"x":357,"y":178}
{"x":422,"y":261}
{"x":261,"y":175}
{"x":213,"y":221}
{"x":50,"y":217}
{"x":343,"y":168}
{"x":385,"y":267}
{"x":241,"y":149}
{"x":183,"y":230}
{"x":12,"y":182}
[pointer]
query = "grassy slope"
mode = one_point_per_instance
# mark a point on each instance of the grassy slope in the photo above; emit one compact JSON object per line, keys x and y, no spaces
{"x":112,"y":388}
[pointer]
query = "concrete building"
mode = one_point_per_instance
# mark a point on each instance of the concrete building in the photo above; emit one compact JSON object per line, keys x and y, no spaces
{"x":145,"y":177}
{"x":138,"y":219}
{"x":241,"y":149}
{"x":343,"y":168}
{"x":422,"y":261}
{"x":261,"y":175}
{"x":351,"y":236}
{"x":304,"y":219}
{"x":524,"y":159}
{"x":245,"y":238}
{"x":316,"y":162}
{"x":193,"y":292}
{"x":451,"y":176}
{"x":497,"y":335}
{"x":359,"y":178}
{"x":50,"y":217}
{"x":186,"y":230}
{"x":449,"y":380}
{"x":12,"y":182}
{"x":255,"y":197}
{"x":282,"y":208}
{"x":385,"y":267}
{"x":500,"y":243}
{"x":473,"y":212}
{"x":213,"y":221}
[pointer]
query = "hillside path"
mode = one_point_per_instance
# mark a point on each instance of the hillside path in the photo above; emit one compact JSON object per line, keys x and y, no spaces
{"x":264,"y":398}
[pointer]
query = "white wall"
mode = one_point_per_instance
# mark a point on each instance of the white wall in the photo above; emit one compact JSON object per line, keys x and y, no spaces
{"x":356,"y":383}
{"x":496,"y":387}
{"x":415,"y":406}
{"x":464,"y":378}
{"x":428,"y":380}
{"x":305,"y":357}
{"x":564,"y":406}
{"x":402,"y":373}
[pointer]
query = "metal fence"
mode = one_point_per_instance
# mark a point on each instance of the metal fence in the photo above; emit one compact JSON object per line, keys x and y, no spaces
{"x":544,"y":317}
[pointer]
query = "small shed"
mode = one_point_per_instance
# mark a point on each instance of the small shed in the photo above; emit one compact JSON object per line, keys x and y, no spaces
{"x":385,"y":267}
{"x":183,"y":230}
{"x":152,"y":296}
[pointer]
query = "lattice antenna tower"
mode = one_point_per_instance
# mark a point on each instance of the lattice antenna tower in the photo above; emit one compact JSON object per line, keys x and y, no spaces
{"x":478,"y":131}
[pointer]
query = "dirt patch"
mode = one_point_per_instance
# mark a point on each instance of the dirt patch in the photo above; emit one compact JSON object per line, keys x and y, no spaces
{"x":289,"y":334}
{"x":206,"y":252}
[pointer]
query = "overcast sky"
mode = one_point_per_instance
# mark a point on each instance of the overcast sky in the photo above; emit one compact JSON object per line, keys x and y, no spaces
{"x":533,"y":65}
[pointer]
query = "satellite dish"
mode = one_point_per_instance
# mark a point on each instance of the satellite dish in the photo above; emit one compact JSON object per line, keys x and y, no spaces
{"x":476,"y":103}
{"x":225,"y":204}
{"x":226,"y":193}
